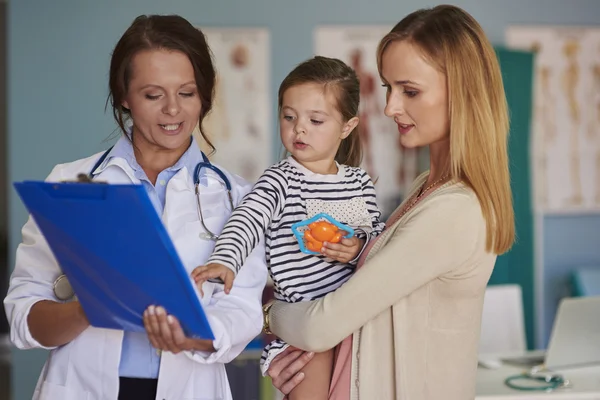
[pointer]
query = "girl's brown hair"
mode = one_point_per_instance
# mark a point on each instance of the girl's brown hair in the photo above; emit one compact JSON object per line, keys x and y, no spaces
{"x":338,"y":76}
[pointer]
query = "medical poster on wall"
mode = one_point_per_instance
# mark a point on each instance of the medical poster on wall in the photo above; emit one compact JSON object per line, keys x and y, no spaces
{"x":390,"y":165}
{"x":566,"y":115}
{"x":239,"y":125}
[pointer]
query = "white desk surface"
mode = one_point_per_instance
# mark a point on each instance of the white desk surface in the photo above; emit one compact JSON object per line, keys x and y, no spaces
{"x":585,"y":384}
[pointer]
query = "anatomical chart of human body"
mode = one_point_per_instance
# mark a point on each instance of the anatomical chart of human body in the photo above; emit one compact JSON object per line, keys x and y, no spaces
{"x":566,"y":115}
{"x":390,"y":165}
{"x":239,"y":125}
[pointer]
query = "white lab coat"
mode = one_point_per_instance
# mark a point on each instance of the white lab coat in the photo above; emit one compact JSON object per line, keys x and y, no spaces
{"x":87,"y":368}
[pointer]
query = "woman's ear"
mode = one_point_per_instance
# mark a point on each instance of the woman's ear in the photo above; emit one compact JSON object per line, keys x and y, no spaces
{"x":125,"y":104}
{"x":349,"y":127}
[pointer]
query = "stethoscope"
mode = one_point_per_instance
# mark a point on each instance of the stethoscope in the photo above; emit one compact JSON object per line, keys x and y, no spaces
{"x":208,"y":234}
{"x":62,"y":288}
{"x":542,"y":380}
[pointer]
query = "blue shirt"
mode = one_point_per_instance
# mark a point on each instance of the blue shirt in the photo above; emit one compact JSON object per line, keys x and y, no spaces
{"x":138,"y":358}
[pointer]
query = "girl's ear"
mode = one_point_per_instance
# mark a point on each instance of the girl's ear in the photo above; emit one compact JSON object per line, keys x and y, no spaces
{"x":349,"y":127}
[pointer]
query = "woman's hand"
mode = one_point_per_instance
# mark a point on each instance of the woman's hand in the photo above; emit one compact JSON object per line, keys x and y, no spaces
{"x":285,"y":369}
{"x":165,"y":333}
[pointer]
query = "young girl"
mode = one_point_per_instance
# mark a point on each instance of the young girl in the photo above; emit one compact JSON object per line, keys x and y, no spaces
{"x":318,"y":107}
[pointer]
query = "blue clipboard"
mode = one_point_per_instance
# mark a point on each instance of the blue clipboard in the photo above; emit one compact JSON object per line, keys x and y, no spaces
{"x":91,"y":229}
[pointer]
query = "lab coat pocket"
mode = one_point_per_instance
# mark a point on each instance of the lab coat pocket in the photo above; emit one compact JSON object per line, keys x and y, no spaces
{"x":191,"y":242}
{"x":200,"y":248}
{"x":214,"y":223}
{"x":52,"y":391}
{"x":215,"y":203}
{"x":199,"y":234}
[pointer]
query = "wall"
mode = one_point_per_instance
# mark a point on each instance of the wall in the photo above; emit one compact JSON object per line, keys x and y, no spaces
{"x":3,"y":165}
{"x":569,"y":242}
{"x":517,"y":76}
{"x":58,"y":63}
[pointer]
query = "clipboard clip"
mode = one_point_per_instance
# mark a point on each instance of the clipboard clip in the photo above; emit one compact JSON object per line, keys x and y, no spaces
{"x":84,"y":178}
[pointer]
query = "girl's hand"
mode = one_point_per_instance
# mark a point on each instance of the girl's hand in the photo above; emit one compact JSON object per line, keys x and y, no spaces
{"x":344,"y":251}
{"x":205,"y":272}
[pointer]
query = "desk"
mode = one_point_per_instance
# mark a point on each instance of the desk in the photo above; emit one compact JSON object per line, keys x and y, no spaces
{"x":585,"y":385}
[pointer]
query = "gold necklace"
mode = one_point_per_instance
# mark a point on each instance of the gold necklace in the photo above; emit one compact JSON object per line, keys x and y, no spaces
{"x":419,"y":195}
{"x":422,"y":191}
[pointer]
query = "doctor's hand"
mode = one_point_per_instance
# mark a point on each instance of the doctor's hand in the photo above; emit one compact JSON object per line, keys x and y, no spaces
{"x":165,"y":333}
{"x":210,"y":271}
{"x":344,"y":251}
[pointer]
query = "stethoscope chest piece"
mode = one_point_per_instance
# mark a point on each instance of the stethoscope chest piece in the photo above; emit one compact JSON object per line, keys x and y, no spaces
{"x":207,"y":236}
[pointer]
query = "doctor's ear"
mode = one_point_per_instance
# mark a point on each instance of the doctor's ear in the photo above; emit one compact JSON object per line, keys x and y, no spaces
{"x":125,"y":106}
{"x":349,"y":127}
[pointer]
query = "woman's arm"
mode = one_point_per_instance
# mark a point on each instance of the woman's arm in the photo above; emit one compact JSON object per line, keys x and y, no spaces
{"x":53,"y":324}
{"x":438,"y":238}
{"x":36,"y":319}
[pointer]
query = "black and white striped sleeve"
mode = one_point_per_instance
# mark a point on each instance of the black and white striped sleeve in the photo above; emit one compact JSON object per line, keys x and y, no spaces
{"x":250,"y":219}
{"x":377,"y":226}
{"x":371,"y":199}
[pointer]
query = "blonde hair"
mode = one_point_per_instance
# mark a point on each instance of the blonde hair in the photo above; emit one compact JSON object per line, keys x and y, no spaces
{"x":455,"y":43}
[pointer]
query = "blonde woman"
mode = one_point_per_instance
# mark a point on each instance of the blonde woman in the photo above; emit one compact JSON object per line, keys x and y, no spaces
{"x":413,"y":310}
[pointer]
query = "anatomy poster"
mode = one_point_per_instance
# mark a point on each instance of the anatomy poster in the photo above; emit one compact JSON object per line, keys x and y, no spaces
{"x":566,"y":115}
{"x":239,"y":125}
{"x":391,"y":166}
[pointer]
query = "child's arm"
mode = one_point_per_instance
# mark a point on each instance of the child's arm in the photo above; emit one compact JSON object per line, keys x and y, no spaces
{"x":246,"y":226}
{"x":211,"y":271}
{"x":369,"y":195}
{"x":349,"y":250}
{"x":363,"y":235}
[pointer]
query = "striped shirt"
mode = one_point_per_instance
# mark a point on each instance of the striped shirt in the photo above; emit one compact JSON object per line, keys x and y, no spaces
{"x":287,"y":193}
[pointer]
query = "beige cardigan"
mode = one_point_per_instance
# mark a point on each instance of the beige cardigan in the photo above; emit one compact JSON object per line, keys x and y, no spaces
{"x":414,"y":307}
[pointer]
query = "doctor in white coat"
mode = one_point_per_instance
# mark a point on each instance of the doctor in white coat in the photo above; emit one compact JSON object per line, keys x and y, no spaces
{"x":161,"y":86}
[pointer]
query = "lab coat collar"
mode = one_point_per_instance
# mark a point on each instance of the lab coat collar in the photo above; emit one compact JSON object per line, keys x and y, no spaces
{"x":123,"y":150}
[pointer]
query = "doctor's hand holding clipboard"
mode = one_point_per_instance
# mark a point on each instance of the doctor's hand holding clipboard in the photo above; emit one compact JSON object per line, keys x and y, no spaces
{"x":161,"y":87}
